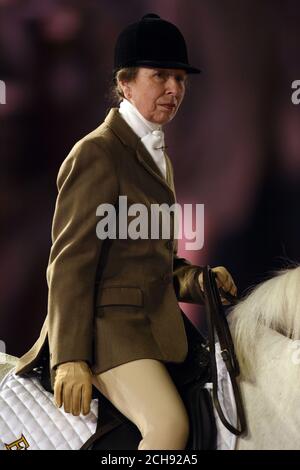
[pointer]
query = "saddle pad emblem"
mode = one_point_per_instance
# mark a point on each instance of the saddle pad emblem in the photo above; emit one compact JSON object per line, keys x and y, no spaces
{"x":19,"y":444}
{"x":30,"y":420}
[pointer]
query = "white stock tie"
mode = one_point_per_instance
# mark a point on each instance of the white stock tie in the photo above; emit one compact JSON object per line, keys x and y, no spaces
{"x":155,"y":144}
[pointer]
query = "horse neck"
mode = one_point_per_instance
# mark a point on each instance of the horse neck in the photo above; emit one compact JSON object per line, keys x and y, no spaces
{"x":272,"y":396}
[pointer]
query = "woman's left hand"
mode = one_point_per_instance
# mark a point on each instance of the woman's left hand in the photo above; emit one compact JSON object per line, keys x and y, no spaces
{"x":224,"y":280}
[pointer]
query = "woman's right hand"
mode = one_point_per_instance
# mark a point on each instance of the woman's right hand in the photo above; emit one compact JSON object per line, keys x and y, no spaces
{"x":73,"y":387}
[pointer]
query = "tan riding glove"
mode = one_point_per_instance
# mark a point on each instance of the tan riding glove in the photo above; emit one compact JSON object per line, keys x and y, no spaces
{"x":224,"y":281}
{"x":73,"y":387}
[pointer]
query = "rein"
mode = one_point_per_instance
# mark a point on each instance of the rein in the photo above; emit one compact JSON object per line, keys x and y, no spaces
{"x":217,"y":324}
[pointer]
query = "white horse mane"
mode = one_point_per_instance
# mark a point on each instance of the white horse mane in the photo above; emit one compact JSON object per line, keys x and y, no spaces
{"x":274,"y":304}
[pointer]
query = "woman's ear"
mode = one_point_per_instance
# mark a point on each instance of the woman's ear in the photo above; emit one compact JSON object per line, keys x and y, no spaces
{"x":126,"y":89}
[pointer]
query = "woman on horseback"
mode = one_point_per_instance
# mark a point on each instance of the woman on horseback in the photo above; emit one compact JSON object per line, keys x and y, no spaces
{"x":113,"y":316}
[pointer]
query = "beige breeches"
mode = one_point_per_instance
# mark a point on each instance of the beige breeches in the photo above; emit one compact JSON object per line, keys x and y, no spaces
{"x":145,"y":393}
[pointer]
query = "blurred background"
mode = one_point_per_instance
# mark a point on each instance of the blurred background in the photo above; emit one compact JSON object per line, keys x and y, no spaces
{"x":235,"y":143}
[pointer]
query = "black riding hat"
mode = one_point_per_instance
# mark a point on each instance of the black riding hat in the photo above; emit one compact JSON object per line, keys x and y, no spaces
{"x":152,"y":42}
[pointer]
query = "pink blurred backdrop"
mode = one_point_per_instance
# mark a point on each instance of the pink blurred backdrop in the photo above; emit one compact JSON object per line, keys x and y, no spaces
{"x":235,"y":143}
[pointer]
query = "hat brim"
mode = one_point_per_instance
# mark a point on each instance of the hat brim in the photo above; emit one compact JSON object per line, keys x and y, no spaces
{"x":163,"y":65}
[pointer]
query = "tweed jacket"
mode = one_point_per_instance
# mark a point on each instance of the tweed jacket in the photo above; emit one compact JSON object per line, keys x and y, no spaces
{"x":115,"y":300}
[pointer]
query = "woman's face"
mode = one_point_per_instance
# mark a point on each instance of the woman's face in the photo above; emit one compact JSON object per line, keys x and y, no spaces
{"x":157,"y":93}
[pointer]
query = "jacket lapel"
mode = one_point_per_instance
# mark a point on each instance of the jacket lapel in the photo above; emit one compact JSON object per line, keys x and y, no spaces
{"x":124,"y":132}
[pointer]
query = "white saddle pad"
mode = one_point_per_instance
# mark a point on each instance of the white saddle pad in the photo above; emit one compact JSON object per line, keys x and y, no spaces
{"x":30,"y":420}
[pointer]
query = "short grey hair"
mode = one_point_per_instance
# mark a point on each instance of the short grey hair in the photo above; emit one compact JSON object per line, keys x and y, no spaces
{"x":127,"y":74}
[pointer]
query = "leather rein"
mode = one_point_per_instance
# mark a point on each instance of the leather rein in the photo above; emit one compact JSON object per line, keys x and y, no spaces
{"x":217,"y":326}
